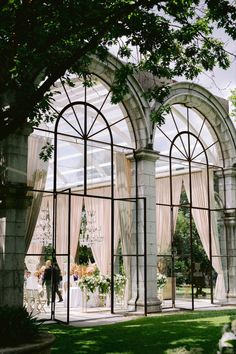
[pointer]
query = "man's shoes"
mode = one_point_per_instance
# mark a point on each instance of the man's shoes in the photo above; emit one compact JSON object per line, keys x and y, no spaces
{"x":60,"y":300}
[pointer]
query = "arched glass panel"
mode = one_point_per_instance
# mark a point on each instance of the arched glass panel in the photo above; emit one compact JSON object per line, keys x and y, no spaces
{"x":189,"y":255}
{"x":85,"y":114}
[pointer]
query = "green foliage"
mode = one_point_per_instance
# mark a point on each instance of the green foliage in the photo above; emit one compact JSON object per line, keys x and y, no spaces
{"x":41,"y":41}
{"x":48,"y":253}
{"x":17,"y":326}
{"x":182,"y":244}
{"x":232,"y":99}
{"x":85,"y":255}
{"x":46,"y":151}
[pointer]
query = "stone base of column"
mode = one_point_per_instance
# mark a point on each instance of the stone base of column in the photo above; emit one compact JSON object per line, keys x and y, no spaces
{"x":153,"y":305}
{"x":231,"y":295}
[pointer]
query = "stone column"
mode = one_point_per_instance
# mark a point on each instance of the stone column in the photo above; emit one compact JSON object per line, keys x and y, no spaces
{"x":13,"y":189}
{"x":146,"y":188}
{"x":228,"y":239}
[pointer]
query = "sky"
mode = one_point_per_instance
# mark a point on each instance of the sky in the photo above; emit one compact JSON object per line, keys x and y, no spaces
{"x":220,"y":82}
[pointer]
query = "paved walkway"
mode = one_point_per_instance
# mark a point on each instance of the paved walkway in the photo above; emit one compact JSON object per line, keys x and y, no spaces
{"x":100,"y":316}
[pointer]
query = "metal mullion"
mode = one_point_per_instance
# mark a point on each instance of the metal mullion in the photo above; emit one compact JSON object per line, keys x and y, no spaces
{"x":85,"y":141}
{"x":110,"y":125}
{"x":226,"y":233}
{"x":172,"y":229}
{"x":99,"y":111}
{"x":60,"y":115}
{"x":68,"y":257}
{"x":136,"y":231}
{"x":112,"y":229}
{"x":204,"y":150}
{"x":145,"y":257}
{"x":172,"y":141}
{"x":197,"y":138}
{"x":182,"y":160}
{"x":71,"y":105}
{"x":172,"y":114}
{"x":71,"y":126}
{"x":191,"y":222}
{"x":209,"y":229}
{"x":54,"y":224}
{"x":95,"y":141}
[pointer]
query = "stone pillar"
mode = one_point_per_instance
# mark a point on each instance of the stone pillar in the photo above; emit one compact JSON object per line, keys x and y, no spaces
{"x":146,"y":188}
{"x":228,"y":241}
{"x":13,"y":189}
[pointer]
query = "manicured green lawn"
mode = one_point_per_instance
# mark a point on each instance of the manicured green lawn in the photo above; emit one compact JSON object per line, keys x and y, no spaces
{"x":150,"y":335}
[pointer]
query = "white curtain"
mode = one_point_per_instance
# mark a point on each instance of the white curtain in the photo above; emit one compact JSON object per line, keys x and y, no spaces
{"x":102,"y":208}
{"x":62,"y":226}
{"x":200,"y":200}
{"x":163,"y":213}
{"x":2,"y":240}
{"x":36,"y":179}
{"x":123,"y":208}
{"x":46,"y":204}
{"x":123,"y":212}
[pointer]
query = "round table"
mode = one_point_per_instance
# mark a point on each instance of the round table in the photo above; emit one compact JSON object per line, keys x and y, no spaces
{"x":75,"y":297}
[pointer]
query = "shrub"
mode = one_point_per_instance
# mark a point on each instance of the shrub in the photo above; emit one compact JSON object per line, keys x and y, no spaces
{"x":17,"y":326}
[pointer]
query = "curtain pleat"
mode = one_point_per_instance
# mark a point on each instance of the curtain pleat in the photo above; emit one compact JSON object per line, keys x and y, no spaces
{"x":201,"y":218}
{"x":123,"y":213}
{"x":36,"y":179}
{"x":62,"y":227}
{"x":163,"y":213}
{"x":102,"y":208}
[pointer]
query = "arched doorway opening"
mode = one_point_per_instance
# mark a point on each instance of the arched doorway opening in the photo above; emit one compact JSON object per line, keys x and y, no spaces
{"x":86,"y":201}
{"x":191,"y":240}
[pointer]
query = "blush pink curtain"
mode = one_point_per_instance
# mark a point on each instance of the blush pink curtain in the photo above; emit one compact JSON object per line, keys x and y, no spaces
{"x":163,"y":213}
{"x":201,"y":218}
{"x":102,"y":208}
{"x":36,"y":179}
{"x":62,"y":226}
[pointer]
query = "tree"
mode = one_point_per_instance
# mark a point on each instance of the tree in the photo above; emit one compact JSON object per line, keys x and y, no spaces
{"x":41,"y":40}
{"x":182,"y":244}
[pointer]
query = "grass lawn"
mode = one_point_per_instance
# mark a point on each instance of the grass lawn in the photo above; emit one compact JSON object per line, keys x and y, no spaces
{"x":147,"y":335}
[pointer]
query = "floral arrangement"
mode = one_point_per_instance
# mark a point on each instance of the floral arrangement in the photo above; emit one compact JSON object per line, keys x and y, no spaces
{"x":88,"y":282}
{"x":161,"y":280}
{"x":119,"y":283}
{"x":104,"y":284}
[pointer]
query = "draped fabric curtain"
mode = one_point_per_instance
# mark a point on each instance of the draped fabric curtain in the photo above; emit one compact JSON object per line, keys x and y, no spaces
{"x":62,"y":226}
{"x":2,"y":240}
{"x":36,"y":179}
{"x":163,"y":213}
{"x":123,"y":211}
{"x":102,"y":208}
{"x":201,"y":218}
{"x":46,"y":204}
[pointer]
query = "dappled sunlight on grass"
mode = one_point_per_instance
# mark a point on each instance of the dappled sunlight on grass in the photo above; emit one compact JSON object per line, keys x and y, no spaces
{"x":145,"y":335}
{"x":133,"y":326}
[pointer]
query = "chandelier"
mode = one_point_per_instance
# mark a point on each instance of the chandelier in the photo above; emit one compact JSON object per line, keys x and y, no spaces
{"x":43,"y":232}
{"x":89,"y":233}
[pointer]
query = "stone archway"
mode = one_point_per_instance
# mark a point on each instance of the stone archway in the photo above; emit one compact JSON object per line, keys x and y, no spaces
{"x":215,"y":111}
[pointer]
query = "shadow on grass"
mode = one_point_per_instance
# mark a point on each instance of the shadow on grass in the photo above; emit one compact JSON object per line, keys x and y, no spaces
{"x":153,"y":334}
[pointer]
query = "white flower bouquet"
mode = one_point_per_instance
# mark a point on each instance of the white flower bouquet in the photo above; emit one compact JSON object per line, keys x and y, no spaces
{"x":161,"y":280}
{"x":119,"y":283}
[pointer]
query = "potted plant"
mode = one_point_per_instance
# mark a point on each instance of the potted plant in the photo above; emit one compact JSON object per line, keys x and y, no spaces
{"x":20,"y":332}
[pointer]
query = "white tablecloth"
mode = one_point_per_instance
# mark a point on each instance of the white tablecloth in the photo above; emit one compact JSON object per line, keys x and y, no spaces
{"x":79,"y":298}
{"x":75,"y":297}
